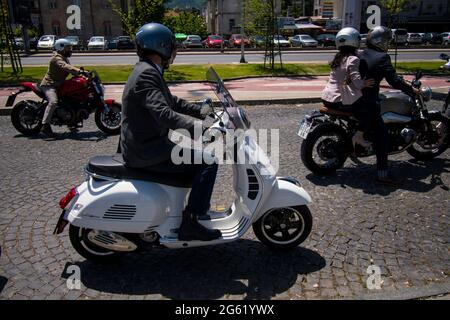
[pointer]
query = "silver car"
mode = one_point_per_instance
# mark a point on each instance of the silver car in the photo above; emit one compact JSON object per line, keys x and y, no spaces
{"x":303,"y":40}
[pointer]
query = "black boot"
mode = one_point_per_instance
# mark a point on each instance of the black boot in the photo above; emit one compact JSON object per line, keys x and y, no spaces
{"x":191,"y":229}
{"x":47,"y":131}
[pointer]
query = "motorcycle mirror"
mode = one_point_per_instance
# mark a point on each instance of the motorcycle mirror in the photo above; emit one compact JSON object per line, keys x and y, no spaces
{"x":444,"y":56}
{"x":419,"y":75}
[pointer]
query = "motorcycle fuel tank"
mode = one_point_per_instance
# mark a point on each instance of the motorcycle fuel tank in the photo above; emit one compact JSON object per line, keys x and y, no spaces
{"x":396,"y":102}
{"x":76,"y":87}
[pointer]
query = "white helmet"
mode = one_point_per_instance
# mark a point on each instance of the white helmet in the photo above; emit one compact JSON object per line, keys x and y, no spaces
{"x":61,"y":44}
{"x":348,"y":37}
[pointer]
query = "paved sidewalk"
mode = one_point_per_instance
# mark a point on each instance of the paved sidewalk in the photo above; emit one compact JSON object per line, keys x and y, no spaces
{"x":304,"y":89}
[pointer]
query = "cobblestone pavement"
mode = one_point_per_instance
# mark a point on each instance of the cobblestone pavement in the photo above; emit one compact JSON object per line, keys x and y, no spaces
{"x":356,"y":224}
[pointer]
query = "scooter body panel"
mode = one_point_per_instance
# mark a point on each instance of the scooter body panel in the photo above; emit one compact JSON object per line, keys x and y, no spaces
{"x":130,"y":206}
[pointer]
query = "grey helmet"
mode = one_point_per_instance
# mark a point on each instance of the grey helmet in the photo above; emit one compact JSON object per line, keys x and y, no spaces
{"x":380,"y":37}
{"x":157,"y":38}
{"x":61,"y":44}
{"x":348,"y":37}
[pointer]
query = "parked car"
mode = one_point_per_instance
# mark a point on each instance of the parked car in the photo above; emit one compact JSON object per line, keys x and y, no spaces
{"x":414,"y":38}
{"x":18,"y":44}
{"x":120,"y":43}
{"x":303,"y":40}
{"x":74,"y":41}
{"x":257,"y":41}
{"x":326,"y":40}
{"x":46,"y":42}
{"x":96,"y":43}
{"x":193,"y":41}
{"x":400,"y":36}
{"x":279,"y":40}
{"x":213,"y":41}
{"x":236,"y":40}
{"x":33,"y":43}
{"x":445,"y":38}
{"x":432,"y":38}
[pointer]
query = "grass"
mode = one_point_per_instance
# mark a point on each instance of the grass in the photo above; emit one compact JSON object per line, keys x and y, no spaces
{"x":119,"y":74}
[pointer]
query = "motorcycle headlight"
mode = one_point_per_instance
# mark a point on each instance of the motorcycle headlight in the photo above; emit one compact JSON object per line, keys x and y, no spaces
{"x":427,"y":93}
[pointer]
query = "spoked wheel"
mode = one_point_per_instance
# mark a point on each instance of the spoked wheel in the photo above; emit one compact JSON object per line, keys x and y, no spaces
{"x":80,"y":242}
{"x":284,"y":228}
{"x":109,"y":122}
{"x":325,"y":149}
{"x":25,"y":117}
{"x":431,"y":144}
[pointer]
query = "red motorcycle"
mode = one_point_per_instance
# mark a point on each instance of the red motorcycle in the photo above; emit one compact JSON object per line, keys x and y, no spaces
{"x":78,"y":98}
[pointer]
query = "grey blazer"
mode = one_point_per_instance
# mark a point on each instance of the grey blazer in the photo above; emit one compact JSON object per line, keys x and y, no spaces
{"x":148,"y":112}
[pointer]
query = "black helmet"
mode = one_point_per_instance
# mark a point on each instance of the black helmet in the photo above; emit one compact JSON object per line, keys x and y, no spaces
{"x":380,"y":37}
{"x":157,"y":38}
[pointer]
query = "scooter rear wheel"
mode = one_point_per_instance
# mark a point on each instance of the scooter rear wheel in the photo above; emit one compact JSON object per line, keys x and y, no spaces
{"x":284,"y":228}
{"x":80,"y":242}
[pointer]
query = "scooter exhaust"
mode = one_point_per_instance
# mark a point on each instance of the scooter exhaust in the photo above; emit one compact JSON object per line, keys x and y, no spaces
{"x":110,"y":241}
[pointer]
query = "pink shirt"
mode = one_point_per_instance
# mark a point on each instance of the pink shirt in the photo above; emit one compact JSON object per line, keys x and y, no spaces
{"x":345,"y":83}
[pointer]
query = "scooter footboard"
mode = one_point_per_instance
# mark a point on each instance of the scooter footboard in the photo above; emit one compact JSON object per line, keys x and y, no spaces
{"x":286,"y":192}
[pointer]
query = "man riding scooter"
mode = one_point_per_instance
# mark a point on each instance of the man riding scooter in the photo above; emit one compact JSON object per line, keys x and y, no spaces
{"x":376,"y":64}
{"x":149,"y":111}
{"x":58,"y":70}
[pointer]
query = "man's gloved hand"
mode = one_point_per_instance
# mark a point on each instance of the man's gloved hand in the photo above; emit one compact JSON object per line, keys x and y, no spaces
{"x":207,"y":108}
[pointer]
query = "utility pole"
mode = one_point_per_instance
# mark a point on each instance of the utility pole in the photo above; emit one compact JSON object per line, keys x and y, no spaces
{"x":242,"y":33}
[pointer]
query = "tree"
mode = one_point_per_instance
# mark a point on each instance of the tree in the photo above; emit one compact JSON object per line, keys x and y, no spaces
{"x":188,"y":22}
{"x":142,"y":12}
{"x":394,"y":8}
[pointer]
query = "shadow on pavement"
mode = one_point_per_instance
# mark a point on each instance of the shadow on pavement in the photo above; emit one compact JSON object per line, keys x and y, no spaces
{"x":93,"y":136}
{"x":244,"y":267}
{"x":413,"y":172}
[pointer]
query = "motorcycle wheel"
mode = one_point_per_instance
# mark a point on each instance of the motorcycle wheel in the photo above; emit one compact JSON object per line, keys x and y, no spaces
{"x":109,"y":122}
{"x":422,"y":150}
{"x":329,"y":141}
{"x":24,"y":120}
{"x":82,"y":245}
{"x":284,"y":228}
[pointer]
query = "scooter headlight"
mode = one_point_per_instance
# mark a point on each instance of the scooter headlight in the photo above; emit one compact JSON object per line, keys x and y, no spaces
{"x":427,"y":93}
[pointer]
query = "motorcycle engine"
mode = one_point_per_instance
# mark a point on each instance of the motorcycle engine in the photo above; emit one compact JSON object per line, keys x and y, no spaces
{"x":408,"y":135}
{"x":64,"y":114}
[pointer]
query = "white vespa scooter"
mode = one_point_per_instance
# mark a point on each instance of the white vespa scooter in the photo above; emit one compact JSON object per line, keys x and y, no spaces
{"x":118,"y":209}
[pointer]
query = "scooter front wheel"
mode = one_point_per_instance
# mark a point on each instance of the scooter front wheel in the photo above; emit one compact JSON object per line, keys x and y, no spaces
{"x":284,"y":228}
{"x":80,"y":242}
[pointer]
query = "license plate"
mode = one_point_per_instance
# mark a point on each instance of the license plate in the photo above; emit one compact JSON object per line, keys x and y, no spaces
{"x":305,"y":127}
{"x":11,"y":100}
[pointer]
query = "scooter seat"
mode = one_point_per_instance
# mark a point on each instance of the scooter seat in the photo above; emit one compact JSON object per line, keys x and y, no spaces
{"x":114,"y":167}
{"x":335,"y":112}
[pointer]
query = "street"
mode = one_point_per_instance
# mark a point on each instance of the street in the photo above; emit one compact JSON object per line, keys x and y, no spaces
{"x":89,"y":59}
{"x":357,"y":223}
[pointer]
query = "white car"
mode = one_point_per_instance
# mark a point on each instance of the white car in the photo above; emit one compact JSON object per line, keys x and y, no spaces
{"x":445,"y":38}
{"x":46,"y":42}
{"x":281,"y":41}
{"x":414,"y":38}
{"x":97,"y":43}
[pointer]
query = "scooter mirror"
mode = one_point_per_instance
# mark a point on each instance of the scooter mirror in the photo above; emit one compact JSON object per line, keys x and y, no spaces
{"x":419,"y":75}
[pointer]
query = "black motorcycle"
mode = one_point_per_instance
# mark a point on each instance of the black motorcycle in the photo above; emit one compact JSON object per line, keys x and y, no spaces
{"x":327,"y":134}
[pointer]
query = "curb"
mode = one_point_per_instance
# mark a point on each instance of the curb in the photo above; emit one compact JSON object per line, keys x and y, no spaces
{"x":7,"y":111}
{"x":427,"y":291}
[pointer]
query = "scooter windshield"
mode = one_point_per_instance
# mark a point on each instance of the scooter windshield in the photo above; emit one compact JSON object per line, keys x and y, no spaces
{"x":219,"y":89}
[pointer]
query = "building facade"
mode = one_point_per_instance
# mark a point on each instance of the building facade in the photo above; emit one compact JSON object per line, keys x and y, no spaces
{"x":224,"y":16}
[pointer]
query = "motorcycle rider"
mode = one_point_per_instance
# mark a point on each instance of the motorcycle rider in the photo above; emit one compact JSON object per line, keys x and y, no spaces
{"x":149,"y":111}
{"x":58,"y":70}
{"x":376,"y":64}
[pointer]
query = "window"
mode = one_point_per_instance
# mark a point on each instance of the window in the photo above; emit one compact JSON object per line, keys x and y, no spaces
{"x":232,"y":23}
{"x":56,"y":27}
{"x":52,"y":4}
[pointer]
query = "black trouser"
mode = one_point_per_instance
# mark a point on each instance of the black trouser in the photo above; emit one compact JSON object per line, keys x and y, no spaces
{"x":367,"y":111}
{"x":204,"y":176}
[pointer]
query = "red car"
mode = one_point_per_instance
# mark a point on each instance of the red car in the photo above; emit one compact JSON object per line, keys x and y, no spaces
{"x":213,"y":41}
{"x":236,"y":39}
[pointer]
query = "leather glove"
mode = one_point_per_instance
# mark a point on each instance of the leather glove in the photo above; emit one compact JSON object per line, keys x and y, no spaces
{"x":206,"y":107}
